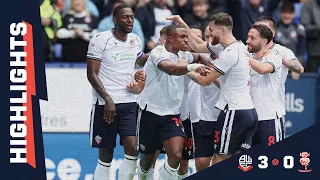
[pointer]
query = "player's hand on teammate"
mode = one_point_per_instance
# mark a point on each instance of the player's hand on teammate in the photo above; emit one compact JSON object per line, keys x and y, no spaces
{"x":203,"y":70}
{"x":177,"y":20}
{"x":139,"y":76}
{"x":109,"y":110}
{"x":134,"y":87}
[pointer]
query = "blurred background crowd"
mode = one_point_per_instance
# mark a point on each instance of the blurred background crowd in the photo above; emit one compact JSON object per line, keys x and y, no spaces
{"x":68,"y":25}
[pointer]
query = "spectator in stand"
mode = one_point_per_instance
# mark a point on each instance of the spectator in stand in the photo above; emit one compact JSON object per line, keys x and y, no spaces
{"x":310,"y":18}
{"x":78,"y":28}
{"x":249,"y":11}
{"x":92,"y":8}
{"x":107,"y":24}
{"x":50,"y":21}
{"x":200,"y":16}
{"x":183,"y":7}
{"x":291,"y":34}
{"x":152,"y":17}
{"x":103,"y":7}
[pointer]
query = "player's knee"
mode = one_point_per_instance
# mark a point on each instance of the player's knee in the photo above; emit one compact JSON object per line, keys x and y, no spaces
{"x":174,"y":159}
{"x":146,"y":161}
{"x":202,"y":163}
{"x":130,"y":146}
{"x":105,"y":155}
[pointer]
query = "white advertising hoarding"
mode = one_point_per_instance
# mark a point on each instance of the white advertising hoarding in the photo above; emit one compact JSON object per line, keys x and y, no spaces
{"x":69,"y":101}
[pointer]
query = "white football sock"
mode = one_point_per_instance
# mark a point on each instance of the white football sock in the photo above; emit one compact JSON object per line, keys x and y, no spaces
{"x":184,"y":175}
{"x":143,"y":174}
{"x":102,"y":171}
{"x":168,"y":173}
{"x":128,"y":167}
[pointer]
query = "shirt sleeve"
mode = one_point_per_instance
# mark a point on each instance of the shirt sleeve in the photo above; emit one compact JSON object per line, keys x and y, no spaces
{"x":275,"y":60}
{"x":95,"y":48}
{"x":159,"y":55}
{"x":140,"y":49}
{"x":290,"y":55}
{"x":225,"y":62}
{"x":214,"y":50}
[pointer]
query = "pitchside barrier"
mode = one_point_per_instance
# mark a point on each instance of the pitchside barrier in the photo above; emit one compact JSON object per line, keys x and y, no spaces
{"x":66,"y":115}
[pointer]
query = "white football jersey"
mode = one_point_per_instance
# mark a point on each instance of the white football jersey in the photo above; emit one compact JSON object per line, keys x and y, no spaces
{"x":209,"y":98}
{"x":163,"y":93}
{"x":233,"y":64}
{"x":289,"y":55}
{"x":265,"y":89}
{"x":184,"y":108}
{"x":118,"y":60}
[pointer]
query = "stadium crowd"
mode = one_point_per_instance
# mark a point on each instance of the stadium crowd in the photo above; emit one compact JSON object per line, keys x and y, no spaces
{"x":68,"y":25}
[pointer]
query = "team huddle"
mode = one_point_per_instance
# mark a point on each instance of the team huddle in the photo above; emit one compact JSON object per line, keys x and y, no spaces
{"x":206,"y":100}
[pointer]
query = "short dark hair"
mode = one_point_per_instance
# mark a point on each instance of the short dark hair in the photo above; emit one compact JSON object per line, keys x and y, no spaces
{"x":172,"y":28}
{"x":194,"y":2}
{"x":163,"y":31}
{"x":195,"y":27}
{"x":264,"y":31}
{"x":118,"y":8}
{"x":287,"y":7}
{"x":222,"y":19}
{"x":267,"y":19}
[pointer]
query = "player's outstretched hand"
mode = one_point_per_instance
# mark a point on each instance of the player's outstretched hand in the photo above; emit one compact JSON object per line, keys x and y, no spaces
{"x":203,"y":70}
{"x":109,"y":110}
{"x":177,"y":20}
{"x":139,"y":76}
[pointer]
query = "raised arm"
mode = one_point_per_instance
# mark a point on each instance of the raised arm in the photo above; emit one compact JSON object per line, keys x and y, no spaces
{"x":196,"y":43}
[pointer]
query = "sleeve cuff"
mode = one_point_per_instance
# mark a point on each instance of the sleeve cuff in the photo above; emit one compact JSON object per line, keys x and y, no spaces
{"x":140,"y":54}
{"x":94,"y":58}
{"x":211,"y":51}
{"x":218,"y":70}
{"x":274,"y":67}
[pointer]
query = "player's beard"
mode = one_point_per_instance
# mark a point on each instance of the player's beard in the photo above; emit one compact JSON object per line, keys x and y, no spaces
{"x":254,"y":49}
{"x":215,"y":40}
{"x":123,"y":28}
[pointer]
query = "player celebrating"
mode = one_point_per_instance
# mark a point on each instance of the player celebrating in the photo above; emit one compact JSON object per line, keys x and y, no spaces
{"x":202,"y":127}
{"x":265,"y":85}
{"x":289,"y":61}
{"x":111,"y":61}
{"x":237,"y":114}
{"x":159,"y":104}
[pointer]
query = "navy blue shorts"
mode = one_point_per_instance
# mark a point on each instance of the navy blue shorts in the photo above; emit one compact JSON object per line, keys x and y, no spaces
{"x":104,"y":135}
{"x":155,"y":129}
{"x":269,"y":132}
{"x":203,"y":138}
{"x":187,"y":152}
{"x":234,"y":130}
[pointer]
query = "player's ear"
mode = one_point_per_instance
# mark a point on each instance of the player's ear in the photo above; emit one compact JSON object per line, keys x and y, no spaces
{"x":169,"y":38}
{"x":114,"y":19}
{"x":265,"y":41}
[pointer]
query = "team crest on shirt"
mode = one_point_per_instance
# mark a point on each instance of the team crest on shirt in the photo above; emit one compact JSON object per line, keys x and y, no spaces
{"x":132,"y":42}
{"x":98,"y":139}
{"x":293,"y":34}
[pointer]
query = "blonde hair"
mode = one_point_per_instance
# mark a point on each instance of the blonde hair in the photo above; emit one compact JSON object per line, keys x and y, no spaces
{"x":88,"y":14}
